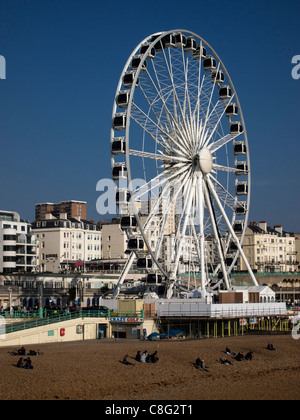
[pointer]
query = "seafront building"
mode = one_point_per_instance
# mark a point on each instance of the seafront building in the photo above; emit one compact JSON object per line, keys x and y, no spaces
{"x":270,"y":250}
{"x":17,"y":244}
{"x":65,"y":242}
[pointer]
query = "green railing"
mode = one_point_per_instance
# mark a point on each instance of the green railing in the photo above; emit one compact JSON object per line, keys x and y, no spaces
{"x":60,"y":316}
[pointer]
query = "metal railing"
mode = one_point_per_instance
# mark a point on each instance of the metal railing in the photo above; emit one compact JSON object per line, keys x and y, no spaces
{"x":59,"y":317}
{"x":54,"y":317}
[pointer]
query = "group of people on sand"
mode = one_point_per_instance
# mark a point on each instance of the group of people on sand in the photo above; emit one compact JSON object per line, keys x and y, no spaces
{"x":239,"y":356}
{"x":24,"y":363}
{"x":200,"y":364}
{"x":144,"y":357}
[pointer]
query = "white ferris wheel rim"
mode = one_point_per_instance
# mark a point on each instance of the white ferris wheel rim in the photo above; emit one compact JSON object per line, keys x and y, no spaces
{"x":159,"y":36}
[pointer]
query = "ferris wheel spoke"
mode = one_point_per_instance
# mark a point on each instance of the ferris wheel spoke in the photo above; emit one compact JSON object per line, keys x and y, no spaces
{"x":229,"y":200}
{"x":180,"y":238}
{"x":216,"y":233}
{"x":159,"y":157}
{"x":176,"y":101}
{"x":202,"y":139}
{"x":235,"y":238}
{"x":147,"y":124}
{"x":213,"y":147}
{"x":171,"y":202}
{"x":224,"y":168}
{"x":219,"y":114}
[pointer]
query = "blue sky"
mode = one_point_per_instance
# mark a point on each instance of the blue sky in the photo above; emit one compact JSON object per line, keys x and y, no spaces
{"x":64,"y":59}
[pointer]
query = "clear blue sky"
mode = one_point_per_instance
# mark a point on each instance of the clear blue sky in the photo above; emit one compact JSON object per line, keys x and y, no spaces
{"x":65,"y":57}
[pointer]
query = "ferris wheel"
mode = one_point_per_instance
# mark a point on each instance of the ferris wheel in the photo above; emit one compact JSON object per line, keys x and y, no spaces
{"x":180,"y":163}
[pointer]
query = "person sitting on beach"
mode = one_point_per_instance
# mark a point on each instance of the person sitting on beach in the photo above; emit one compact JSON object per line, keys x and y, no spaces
{"x":270,"y":347}
{"x":240,"y":357}
{"x":22,"y":352}
{"x":249,"y":355}
{"x":200,"y":364}
{"x":33,"y":353}
{"x":20,"y":363}
{"x":138,"y":356}
{"x":225,"y":362}
{"x":144,"y":356}
{"x":228,"y":351}
{"x":154,"y":358}
{"x":125,"y":361}
{"x":28,"y":364}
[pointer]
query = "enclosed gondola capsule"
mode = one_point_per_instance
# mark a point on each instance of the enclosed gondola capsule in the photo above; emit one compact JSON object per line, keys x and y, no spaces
{"x":180,"y":40}
{"x":240,"y":148}
{"x":122,"y":98}
{"x":241,"y":168}
{"x":190,"y":45}
{"x":144,"y":48}
{"x":242,"y":188}
{"x":238,"y":226}
{"x":169,"y":41}
{"x":241,"y":208}
{"x":118,"y":146}
{"x":231,"y":110}
{"x":209,"y":63}
{"x":119,"y":171}
{"x":236,"y":128}
{"x":136,"y":61}
{"x":160,"y":44}
{"x":135,"y":244}
{"x":218,"y":76}
{"x":119,"y":121}
{"x":144,"y":263}
{"x":128,"y":222}
{"x":200,"y":52}
{"x":225,"y":92}
{"x":154,"y":278}
{"x":123,"y":196}
{"x":129,"y":78}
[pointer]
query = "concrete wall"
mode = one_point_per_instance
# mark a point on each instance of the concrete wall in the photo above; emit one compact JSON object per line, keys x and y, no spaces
{"x":52,"y":333}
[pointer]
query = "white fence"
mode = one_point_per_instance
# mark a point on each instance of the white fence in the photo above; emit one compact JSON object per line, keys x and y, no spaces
{"x":192,"y":308}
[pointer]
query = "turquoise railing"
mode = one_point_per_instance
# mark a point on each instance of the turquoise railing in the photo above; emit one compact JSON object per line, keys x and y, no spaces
{"x":60,"y":316}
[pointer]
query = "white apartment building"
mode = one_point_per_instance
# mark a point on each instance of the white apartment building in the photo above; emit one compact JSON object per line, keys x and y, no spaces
{"x":269,"y":249}
{"x":17,"y":244}
{"x":64,"y":242}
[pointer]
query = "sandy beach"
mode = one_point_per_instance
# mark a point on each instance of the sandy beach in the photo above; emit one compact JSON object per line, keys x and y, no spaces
{"x":92,"y":370}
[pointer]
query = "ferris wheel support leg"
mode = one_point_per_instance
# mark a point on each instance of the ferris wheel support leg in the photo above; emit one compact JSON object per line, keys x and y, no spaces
{"x":214,"y":225}
{"x":212,"y":189}
{"x":123,"y":275}
{"x":187,"y":216}
{"x":202,"y":240}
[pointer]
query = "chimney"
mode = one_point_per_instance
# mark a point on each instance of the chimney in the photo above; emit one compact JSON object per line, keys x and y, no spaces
{"x":263,"y":226}
{"x":278,"y":229}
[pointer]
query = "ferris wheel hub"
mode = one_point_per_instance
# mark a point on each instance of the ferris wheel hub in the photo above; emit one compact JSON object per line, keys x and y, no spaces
{"x":203,"y":161}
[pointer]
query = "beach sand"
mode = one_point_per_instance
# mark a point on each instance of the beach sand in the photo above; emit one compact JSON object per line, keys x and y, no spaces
{"x":91,"y":370}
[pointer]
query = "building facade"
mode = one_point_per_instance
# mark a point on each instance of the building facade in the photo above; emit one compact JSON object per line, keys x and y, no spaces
{"x":73,"y":209}
{"x":114,"y":241}
{"x":17,"y":244}
{"x":269,"y":249}
{"x":64,"y":242}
